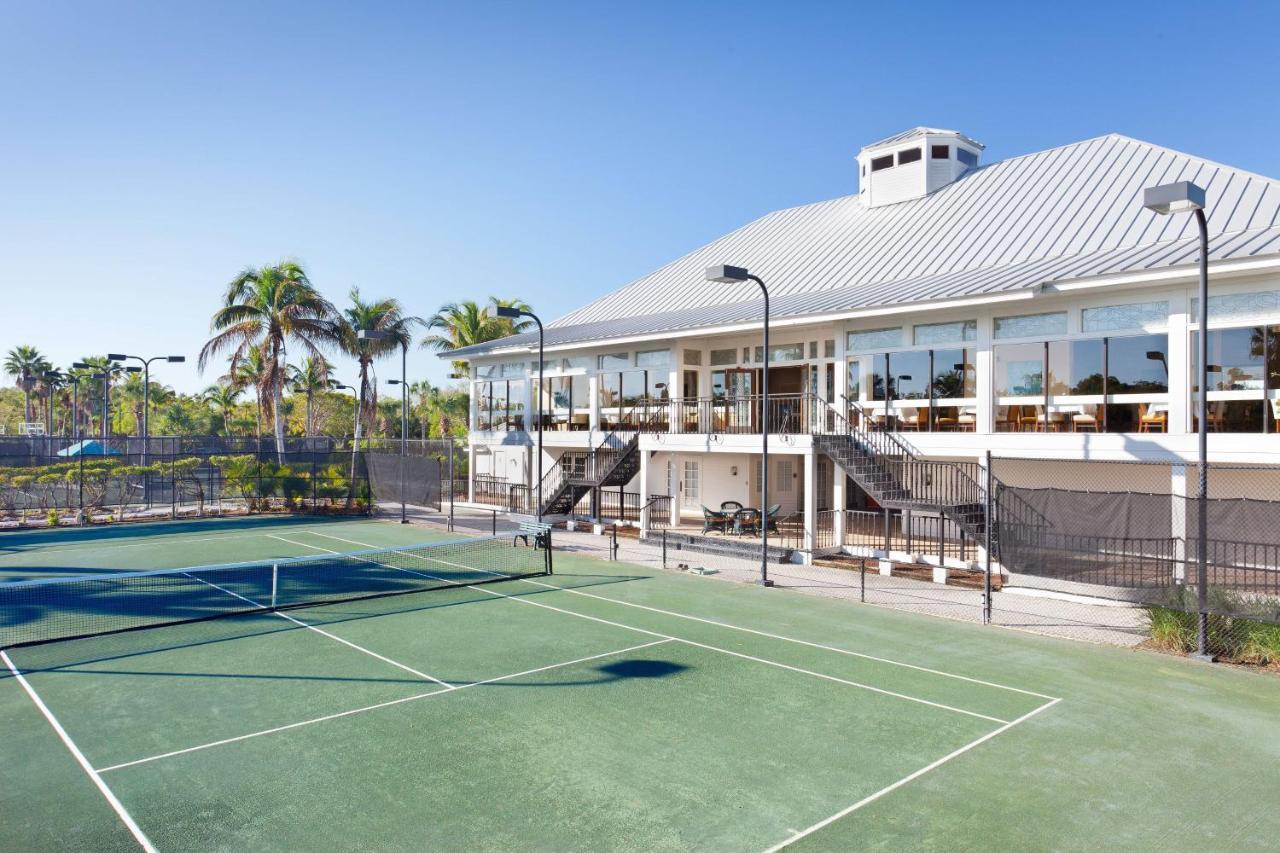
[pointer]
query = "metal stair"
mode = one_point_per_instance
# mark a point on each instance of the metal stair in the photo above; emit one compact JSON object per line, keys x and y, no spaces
{"x":613,"y":462}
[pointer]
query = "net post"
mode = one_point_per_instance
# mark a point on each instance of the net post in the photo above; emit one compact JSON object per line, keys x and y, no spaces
{"x":547,"y":557}
{"x":275,"y":580}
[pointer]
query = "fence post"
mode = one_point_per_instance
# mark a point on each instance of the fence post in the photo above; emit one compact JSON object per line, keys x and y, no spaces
{"x":986,"y":531}
{"x":862,"y":580}
{"x":664,"y":547}
{"x":613,"y":542}
{"x":887,"y":534}
{"x":494,"y":520}
{"x":942,"y":553}
{"x":173,"y":487}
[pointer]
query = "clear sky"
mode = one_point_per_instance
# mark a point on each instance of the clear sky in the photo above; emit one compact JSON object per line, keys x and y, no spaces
{"x":551,"y":151}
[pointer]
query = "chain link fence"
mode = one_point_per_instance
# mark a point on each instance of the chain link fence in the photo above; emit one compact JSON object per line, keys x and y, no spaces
{"x":128,"y":479}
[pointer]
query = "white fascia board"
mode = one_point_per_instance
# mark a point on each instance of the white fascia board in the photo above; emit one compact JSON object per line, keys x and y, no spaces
{"x":1173,"y":275}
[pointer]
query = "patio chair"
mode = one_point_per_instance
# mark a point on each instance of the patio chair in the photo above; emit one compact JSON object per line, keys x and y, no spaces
{"x":713,"y":520}
{"x":910,"y":420}
{"x":730,"y":507}
{"x":772,"y":517}
{"x":967,"y":421}
{"x":746,"y":522}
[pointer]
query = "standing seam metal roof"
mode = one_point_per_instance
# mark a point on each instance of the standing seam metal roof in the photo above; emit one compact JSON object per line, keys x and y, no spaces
{"x":1064,"y":213}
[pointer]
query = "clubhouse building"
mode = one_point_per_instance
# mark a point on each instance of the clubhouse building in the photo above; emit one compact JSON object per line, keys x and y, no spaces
{"x":1032,"y":307}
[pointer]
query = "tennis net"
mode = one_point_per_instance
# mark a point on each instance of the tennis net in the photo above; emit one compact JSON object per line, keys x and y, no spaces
{"x":45,"y":610}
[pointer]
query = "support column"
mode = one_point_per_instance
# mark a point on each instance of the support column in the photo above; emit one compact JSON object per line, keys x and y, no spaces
{"x":985,"y":364}
{"x":810,"y":504}
{"x":644,"y":491}
{"x":839,"y":485}
{"x":471,"y":473}
{"x":1180,"y":358}
{"x":1178,"y":485}
{"x":593,"y":390}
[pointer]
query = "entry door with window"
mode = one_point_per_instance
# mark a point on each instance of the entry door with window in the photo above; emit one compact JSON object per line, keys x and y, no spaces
{"x":689,"y":486}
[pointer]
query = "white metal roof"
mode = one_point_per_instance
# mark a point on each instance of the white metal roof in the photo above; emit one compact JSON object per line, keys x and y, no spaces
{"x":1066,"y":213}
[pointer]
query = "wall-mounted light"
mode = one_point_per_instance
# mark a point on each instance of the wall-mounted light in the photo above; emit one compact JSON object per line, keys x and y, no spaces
{"x":733,"y":470}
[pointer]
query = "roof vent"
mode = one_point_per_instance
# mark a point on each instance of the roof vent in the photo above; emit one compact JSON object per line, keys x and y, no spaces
{"x":913,"y":164}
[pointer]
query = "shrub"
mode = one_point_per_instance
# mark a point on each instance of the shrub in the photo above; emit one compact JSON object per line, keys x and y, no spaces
{"x":1174,"y":626}
{"x":52,"y":518}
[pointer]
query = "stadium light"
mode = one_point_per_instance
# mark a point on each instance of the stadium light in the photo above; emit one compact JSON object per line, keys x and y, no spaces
{"x":725,"y":274}
{"x":1186,"y":197}
{"x":510,"y":312}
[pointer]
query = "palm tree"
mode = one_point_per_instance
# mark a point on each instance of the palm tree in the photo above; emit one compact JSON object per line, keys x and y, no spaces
{"x":223,"y":397}
{"x":251,"y":371}
{"x":267,"y":307}
{"x":463,"y":324}
{"x":98,"y":365}
{"x":512,"y":325}
{"x":26,"y":365}
{"x":383,"y":315}
{"x":310,"y":377}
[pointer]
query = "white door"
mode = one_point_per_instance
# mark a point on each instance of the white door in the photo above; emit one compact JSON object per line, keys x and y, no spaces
{"x":689,"y":486}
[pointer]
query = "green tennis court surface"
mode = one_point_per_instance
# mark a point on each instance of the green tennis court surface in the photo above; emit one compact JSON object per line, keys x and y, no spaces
{"x":603,"y":706}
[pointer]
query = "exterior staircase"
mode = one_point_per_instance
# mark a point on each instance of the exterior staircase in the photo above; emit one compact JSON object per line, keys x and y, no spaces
{"x":613,"y":462}
{"x":890,"y":471}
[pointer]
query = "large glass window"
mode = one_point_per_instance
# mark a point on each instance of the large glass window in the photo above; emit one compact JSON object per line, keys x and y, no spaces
{"x":653,"y":358}
{"x":1075,"y":368}
{"x":566,"y":403}
{"x":500,"y":405}
{"x":874,"y":339}
{"x":1230,"y":305}
{"x":615,"y":361}
{"x":945,"y":333}
{"x":1031,"y":325}
{"x":1135,"y":315}
{"x":909,"y":375}
{"x":1116,"y":384}
{"x":954,"y":375}
{"x":1244,"y":371}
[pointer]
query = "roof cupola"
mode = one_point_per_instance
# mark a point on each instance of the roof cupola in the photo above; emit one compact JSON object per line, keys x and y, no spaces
{"x":913,"y":164}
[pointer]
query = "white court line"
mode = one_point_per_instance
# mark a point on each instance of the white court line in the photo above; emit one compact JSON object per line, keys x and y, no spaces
{"x":324,"y":633}
{"x":387,"y":704}
{"x":757,"y":632}
{"x":116,"y":805}
{"x":765,"y":661}
{"x":906,"y":779}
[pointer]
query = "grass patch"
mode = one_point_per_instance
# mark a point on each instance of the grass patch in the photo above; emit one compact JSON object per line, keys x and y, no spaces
{"x":1233,"y":638}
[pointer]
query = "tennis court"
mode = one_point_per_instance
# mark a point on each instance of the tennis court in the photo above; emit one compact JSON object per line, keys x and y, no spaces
{"x":599,"y":706}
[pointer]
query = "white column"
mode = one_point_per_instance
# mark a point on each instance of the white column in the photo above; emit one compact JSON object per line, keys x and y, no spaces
{"x":985,"y":364}
{"x":1180,"y":356}
{"x":673,"y":486}
{"x":473,"y":409}
{"x":471,"y":473}
{"x":839,"y":481}
{"x":593,"y":390}
{"x":841,"y":367}
{"x":1178,"y":516}
{"x":810,"y":501}
{"x":644,"y":492}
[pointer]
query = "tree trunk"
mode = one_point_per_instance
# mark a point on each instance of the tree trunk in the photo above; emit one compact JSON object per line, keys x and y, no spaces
{"x":278,"y":395}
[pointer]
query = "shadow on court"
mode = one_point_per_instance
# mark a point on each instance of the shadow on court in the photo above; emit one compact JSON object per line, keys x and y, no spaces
{"x":214,"y":624}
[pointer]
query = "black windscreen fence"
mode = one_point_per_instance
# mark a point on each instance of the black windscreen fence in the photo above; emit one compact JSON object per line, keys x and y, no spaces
{"x":1144,"y":547}
{"x":414,"y":480}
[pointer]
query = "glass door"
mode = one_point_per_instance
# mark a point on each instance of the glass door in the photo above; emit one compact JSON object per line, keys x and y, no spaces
{"x":689,"y":486}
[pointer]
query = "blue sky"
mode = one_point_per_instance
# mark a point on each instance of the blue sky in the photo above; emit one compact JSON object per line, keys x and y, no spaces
{"x":552,"y":151}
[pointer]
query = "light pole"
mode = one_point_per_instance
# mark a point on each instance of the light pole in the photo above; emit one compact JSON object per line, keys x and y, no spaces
{"x":146,"y":389}
{"x":725,"y":275}
{"x":511,"y":313}
{"x":403,"y":340}
{"x":1186,"y":197}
